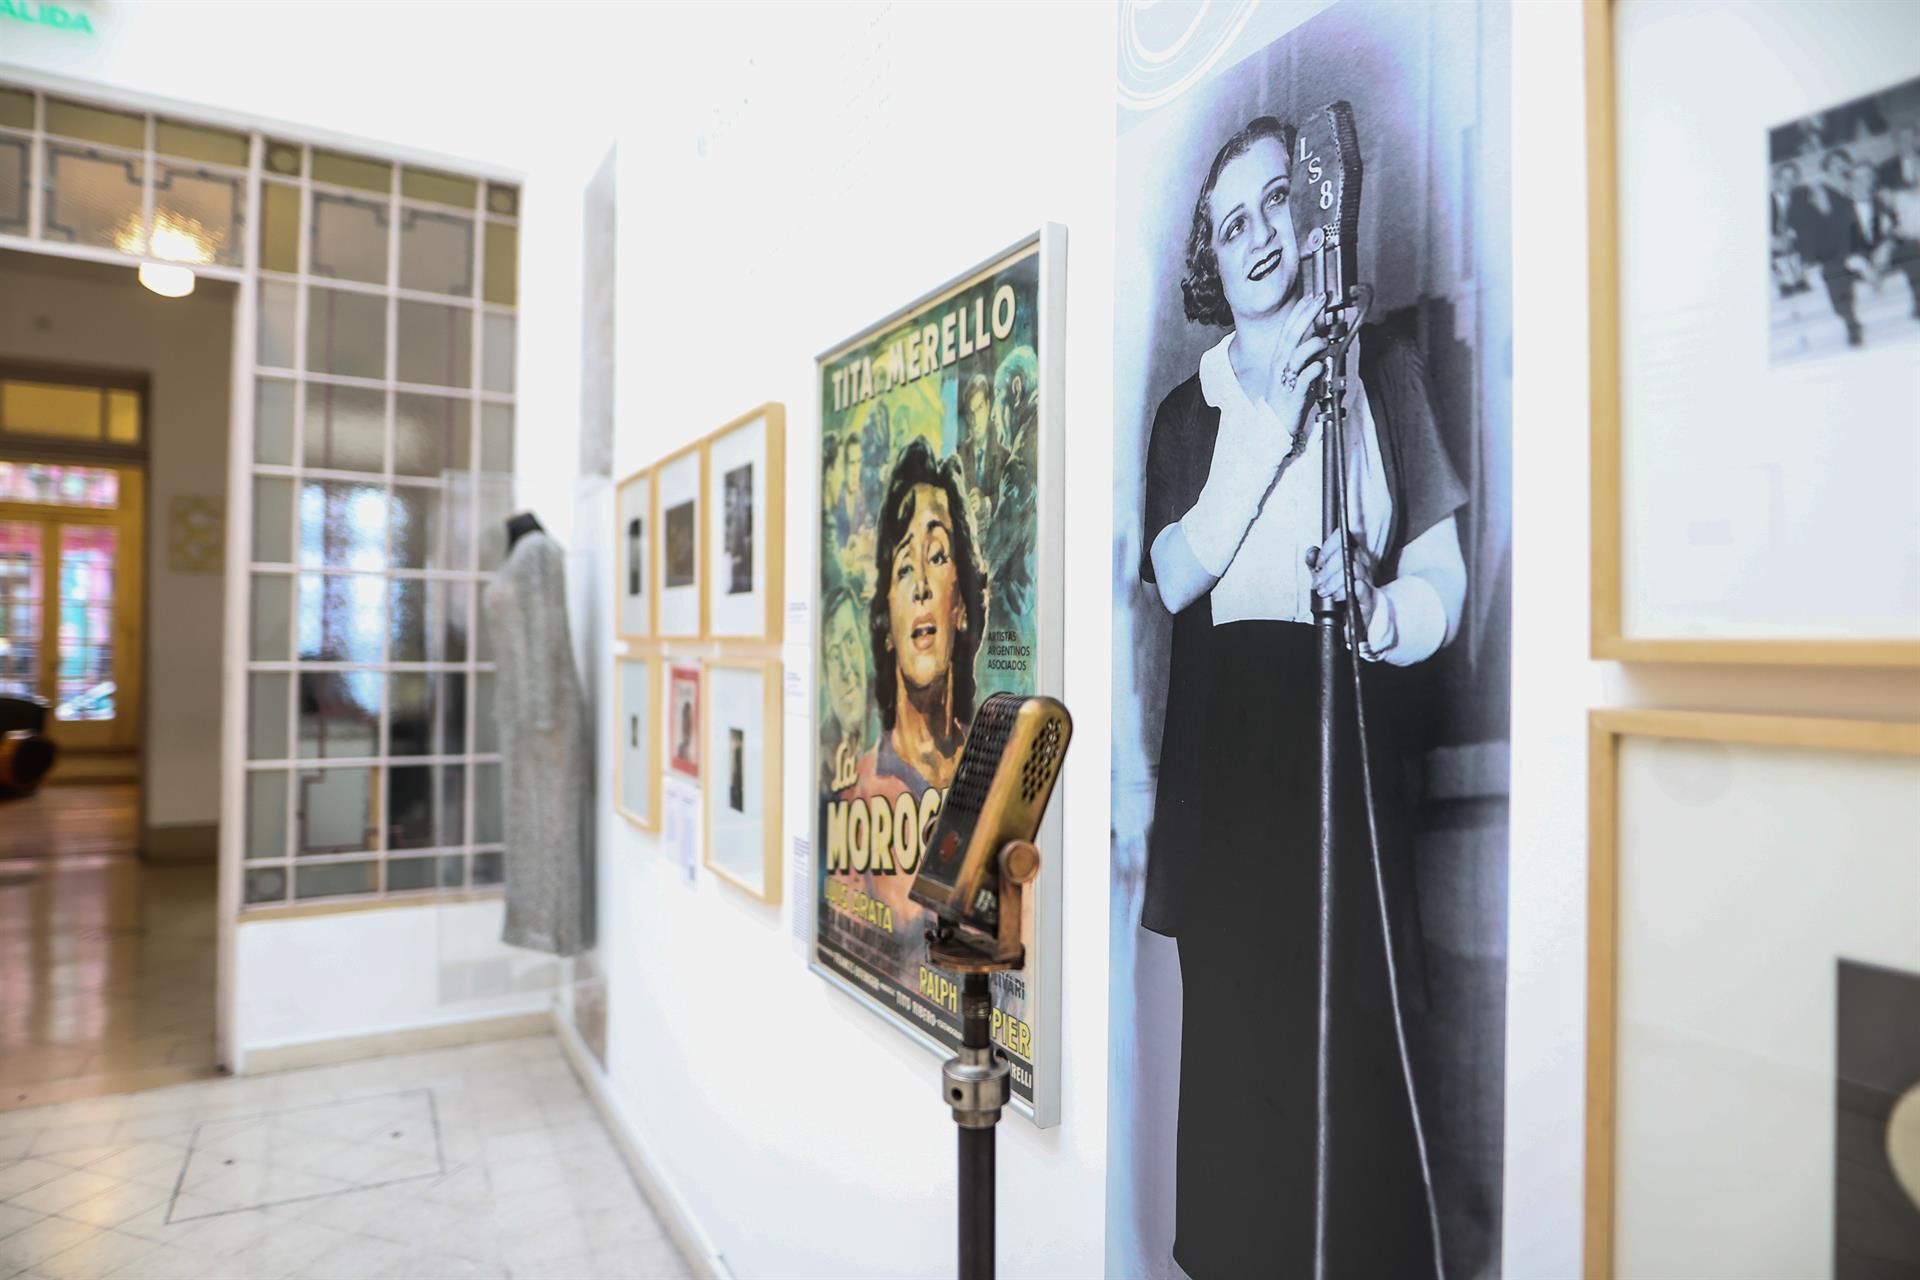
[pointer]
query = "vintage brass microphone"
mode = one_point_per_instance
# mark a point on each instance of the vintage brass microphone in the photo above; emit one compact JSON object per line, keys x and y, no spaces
{"x":1326,"y":207}
{"x":979,"y":860}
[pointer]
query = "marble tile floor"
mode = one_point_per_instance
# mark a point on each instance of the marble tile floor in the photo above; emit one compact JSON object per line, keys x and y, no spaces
{"x":484,"y":1160}
{"x":106,"y":963}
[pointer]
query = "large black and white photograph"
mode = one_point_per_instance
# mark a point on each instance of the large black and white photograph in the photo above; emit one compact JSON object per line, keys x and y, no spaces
{"x":1312,"y":560}
{"x":738,"y":548}
{"x":1843,"y":226}
{"x":1876,"y":1147}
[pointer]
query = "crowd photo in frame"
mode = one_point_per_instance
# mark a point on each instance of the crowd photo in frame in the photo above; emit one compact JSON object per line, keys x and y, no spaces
{"x":1307,"y":1019}
{"x":1843,"y":225}
{"x":939,"y":584}
{"x":1738,"y":379}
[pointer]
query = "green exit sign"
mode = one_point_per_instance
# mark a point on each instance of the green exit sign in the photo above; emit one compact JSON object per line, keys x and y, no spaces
{"x":46,"y":15}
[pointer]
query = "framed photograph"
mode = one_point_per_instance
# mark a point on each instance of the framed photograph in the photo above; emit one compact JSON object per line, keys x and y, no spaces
{"x":633,"y":568}
{"x":1754,"y":375}
{"x":682,"y":724}
{"x":746,"y":526}
{"x":742,"y":742}
{"x":939,"y":582}
{"x":636,"y":780}
{"x":1753,"y":1000}
{"x":679,"y":556}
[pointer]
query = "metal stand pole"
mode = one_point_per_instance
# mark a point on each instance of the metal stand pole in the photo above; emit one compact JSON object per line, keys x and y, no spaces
{"x":977,"y":1087}
{"x":1326,"y":620}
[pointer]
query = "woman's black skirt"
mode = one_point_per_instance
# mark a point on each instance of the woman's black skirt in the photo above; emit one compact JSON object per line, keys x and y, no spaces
{"x":1239,"y":809}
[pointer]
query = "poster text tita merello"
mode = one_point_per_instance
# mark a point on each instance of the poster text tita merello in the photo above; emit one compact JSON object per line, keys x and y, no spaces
{"x":925,"y":349}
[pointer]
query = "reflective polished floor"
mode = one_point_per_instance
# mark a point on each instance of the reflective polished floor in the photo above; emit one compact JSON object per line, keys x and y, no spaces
{"x":485,"y":1160}
{"x":106,"y":964}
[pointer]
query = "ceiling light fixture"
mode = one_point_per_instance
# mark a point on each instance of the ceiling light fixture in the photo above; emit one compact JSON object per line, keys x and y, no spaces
{"x":167,"y":279}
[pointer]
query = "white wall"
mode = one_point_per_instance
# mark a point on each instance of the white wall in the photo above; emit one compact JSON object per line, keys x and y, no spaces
{"x":83,"y":313}
{"x":323,"y":978}
{"x":820,"y":168}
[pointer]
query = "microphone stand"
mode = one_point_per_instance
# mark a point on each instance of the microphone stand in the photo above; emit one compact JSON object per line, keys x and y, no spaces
{"x":977,"y":1084}
{"x":1338,"y":622}
{"x":1334,"y":624}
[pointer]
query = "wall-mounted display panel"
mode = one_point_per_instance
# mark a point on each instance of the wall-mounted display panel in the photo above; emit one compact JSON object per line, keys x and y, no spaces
{"x":742,"y":740}
{"x":746,"y":526}
{"x":1753,"y":1071}
{"x":636,"y":777}
{"x":1755,"y":376}
{"x":939,"y":583}
{"x":633,"y":568}
{"x":679,"y":545}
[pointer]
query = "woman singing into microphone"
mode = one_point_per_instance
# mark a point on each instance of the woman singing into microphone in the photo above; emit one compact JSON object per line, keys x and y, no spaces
{"x":1235,"y":550}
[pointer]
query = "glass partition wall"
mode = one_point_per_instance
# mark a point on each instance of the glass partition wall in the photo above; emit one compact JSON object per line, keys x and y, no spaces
{"x":382,"y":447}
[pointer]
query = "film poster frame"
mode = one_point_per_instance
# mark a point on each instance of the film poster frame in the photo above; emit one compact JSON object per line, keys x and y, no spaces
{"x":652,"y":659}
{"x":774,"y":582}
{"x":1044,"y":962}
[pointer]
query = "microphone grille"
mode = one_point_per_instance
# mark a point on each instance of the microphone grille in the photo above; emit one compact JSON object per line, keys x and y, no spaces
{"x":1043,"y":761}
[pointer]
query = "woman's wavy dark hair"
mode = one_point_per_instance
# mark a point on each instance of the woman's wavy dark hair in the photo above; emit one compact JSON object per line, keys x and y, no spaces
{"x":1200,"y":288}
{"x":916,"y":466}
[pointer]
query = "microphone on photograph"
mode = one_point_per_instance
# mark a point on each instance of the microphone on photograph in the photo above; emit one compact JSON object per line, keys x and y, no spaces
{"x":1326,"y":219}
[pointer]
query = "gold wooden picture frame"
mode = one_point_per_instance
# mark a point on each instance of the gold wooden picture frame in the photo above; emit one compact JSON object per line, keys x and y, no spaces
{"x":647,"y":816}
{"x":773,"y":584}
{"x":623,"y":553}
{"x":1606,"y":730}
{"x":715,"y":776}
{"x":658,"y":555}
{"x":1609,"y":639}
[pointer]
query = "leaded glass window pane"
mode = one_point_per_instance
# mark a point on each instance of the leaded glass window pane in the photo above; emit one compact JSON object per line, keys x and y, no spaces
{"x":436,"y":344}
{"x":95,"y":198}
{"x":436,"y":252}
{"x":346,"y":333}
{"x":346,"y":428}
{"x":349,"y":237}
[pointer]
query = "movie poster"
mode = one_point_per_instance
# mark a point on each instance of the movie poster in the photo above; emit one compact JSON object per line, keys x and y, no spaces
{"x":1307,"y":1038}
{"x":930,"y":530}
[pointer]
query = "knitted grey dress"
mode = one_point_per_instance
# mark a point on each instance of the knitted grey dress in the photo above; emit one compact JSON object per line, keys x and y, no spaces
{"x":546,"y":751}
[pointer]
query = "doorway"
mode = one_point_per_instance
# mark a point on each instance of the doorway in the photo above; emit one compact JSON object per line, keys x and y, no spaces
{"x":114,"y":411}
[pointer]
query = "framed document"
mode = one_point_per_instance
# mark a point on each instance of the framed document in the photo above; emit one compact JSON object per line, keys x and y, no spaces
{"x":682,"y":724}
{"x":741,"y":739}
{"x":633,"y":530}
{"x":636,"y":782}
{"x":746,"y":526}
{"x":679,"y":555}
{"x":1755,"y":272}
{"x":1753,"y":1072}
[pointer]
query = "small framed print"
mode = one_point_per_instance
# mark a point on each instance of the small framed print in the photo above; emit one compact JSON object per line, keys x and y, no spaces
{"x":636,"y":782}
{"x":679,"y":545}
{"x":741,"y":739}
{"x":745,"y":526}
{"x":633,"y":533}
{"x":683,"y":720}
{"x":1753,"y":996}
